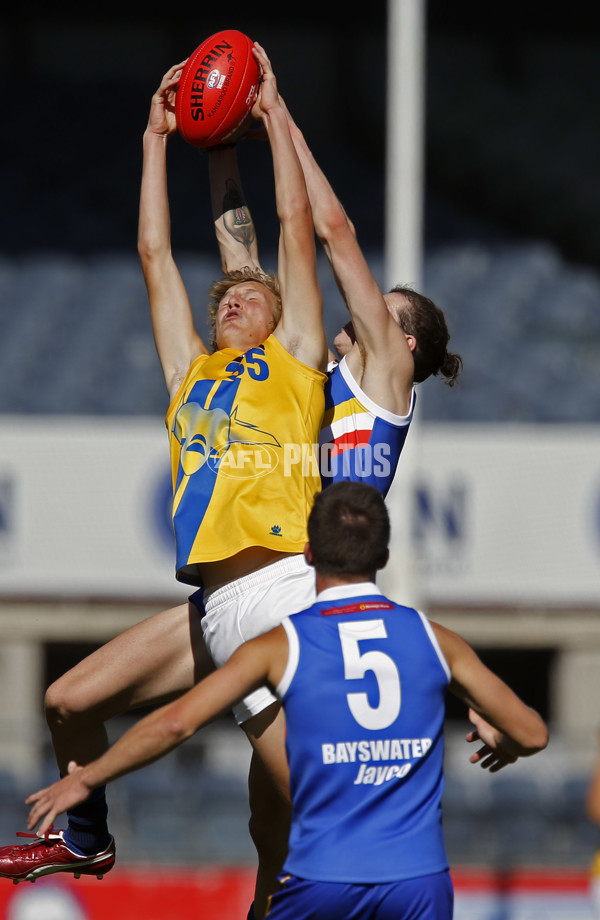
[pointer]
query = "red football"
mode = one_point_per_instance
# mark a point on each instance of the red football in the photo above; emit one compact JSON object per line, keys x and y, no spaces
{"x":217,"y":89}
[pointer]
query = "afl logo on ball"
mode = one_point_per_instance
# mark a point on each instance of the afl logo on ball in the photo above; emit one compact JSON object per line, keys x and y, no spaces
{"x":213,"y":79}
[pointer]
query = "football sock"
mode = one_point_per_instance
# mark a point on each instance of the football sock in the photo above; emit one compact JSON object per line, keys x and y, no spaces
{"x":87,"y":830}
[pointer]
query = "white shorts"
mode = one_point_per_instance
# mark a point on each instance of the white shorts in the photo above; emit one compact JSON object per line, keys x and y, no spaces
{"x":250,"y":606}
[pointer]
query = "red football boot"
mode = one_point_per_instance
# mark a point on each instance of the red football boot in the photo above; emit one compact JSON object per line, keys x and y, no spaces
{"x":48,"y":854}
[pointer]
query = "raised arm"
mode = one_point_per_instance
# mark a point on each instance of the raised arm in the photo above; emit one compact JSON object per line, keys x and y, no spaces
{"x":257,"y":662}
{"x":508,"y":728}
{"x":234,"y":227}
{"x":177,"y":341}
{"x":300,"y":329}
{"x":383,"y":362}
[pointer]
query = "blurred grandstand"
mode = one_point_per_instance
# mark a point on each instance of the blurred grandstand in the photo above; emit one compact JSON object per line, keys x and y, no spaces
{"x":526,"y":323}
{"x":191,"y":808}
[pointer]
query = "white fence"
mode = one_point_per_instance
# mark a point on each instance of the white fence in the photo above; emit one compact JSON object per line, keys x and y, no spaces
{"x":499,"y":515}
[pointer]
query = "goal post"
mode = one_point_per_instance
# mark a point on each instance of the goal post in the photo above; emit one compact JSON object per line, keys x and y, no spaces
{"x":406,"y":32}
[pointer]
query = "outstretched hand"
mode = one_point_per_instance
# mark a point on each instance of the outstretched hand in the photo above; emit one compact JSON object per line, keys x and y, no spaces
{"x":496,"y":751}
{"x":268,"y":95}
{"x":162,"y":110}
{"x":53,"y":800}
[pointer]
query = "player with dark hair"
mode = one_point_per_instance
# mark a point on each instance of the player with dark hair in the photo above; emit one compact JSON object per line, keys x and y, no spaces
{"x":363,"y":682}
{"x":349,"y":533}
{"x":393,"y":341}
{"x":421,"y":318}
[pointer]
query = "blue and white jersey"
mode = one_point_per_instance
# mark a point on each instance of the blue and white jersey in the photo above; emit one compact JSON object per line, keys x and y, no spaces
{"x":364,"y":696}
{"x":359,"y":441}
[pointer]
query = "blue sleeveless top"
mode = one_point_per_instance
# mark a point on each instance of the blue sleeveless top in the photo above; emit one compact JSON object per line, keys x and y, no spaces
{"x":359,"y":441}
{"x":364,"y":697}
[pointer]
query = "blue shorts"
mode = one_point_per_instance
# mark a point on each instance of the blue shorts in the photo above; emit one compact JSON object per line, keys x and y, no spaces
{"x":430,"y":897}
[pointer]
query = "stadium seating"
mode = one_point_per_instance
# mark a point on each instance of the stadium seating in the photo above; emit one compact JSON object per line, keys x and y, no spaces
{"x":77,"y":336}
{"x":191,"y":807}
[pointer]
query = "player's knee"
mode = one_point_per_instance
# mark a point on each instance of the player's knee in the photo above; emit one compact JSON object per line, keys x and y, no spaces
{"x":60,"y":703}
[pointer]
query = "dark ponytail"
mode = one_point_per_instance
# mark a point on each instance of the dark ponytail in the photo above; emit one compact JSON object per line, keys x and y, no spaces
{"x":422,"y":319}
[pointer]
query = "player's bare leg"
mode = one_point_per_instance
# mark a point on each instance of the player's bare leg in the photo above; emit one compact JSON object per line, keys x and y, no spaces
{"x":158,"y":659}
{"x":153,"y":661}
{"x":270,"y":805}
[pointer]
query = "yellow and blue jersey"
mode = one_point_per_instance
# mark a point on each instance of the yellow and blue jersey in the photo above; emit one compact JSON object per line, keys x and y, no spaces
{"x":243,"y":431}
{"x":359,"y":441}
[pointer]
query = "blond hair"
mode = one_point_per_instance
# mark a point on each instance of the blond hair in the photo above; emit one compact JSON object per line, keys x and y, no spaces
{"x":219,"y":288}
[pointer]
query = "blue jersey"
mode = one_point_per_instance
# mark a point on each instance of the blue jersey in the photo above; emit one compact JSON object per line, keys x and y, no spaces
{"x":364,"y":697}
{"x":359,"y":441}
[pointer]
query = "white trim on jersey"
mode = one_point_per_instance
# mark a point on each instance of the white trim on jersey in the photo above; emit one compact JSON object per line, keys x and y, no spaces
{"x":293,"y":658}
{"x":399,"y":420}
{"x":342,"y":592}
{"x":436,"y":645}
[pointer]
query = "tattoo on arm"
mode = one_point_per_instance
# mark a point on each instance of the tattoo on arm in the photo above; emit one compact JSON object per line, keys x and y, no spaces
{"x":236,"y":217}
